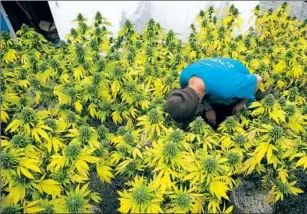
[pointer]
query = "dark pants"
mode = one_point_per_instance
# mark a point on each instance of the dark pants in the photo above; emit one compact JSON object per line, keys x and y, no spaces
{"x":223,"y":111}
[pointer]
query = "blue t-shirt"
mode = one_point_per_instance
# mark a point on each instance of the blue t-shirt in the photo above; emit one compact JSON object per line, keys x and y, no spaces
{"x":226,"y":80}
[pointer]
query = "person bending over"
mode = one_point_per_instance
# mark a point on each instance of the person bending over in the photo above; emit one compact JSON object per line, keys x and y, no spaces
{"x":213,"y":88}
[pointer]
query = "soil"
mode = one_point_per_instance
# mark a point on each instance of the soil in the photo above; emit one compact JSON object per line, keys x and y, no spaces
{"x":110,"y":204}
{"x":295,"y":204}
{"x":108,"y":192}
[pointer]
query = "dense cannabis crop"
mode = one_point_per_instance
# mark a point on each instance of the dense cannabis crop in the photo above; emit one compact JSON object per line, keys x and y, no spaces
{"x":95,"y":105}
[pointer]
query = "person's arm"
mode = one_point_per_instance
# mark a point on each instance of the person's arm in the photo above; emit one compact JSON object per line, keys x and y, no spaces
{"x":208,"y":110}
{"x":207,"y":106}
{"x":243,"y":102}
{"x":209,"y":113}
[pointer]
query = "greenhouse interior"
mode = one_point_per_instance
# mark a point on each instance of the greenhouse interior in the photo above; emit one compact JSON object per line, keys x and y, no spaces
{"x":153,"y":107}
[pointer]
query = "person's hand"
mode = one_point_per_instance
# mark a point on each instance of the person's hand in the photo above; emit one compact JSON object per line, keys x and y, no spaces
{"x":211,"y":116}
{"x":238,"y":107}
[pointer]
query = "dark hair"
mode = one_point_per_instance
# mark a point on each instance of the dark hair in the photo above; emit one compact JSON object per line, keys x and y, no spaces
{"x":182,"y":104}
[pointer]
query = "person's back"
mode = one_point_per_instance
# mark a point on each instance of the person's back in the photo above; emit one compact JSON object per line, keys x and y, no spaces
{"x":226,"y":80}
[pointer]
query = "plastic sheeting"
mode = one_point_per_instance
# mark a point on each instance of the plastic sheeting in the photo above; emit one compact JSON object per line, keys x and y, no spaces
{"x":297,"y":8}
{"x":175,"y":15}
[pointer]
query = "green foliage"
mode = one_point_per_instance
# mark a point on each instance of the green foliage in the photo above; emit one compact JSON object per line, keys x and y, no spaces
{"x":95,"y":104}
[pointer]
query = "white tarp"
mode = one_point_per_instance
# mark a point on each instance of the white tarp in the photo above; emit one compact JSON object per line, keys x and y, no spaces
{"x":175,"y":15}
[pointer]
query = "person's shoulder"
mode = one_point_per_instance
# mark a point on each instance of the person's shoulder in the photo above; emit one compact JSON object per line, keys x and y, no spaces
{"x":186,"y":71}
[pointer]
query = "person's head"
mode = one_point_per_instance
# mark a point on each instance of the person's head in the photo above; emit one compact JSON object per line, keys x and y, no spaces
{"x":183,"y":104}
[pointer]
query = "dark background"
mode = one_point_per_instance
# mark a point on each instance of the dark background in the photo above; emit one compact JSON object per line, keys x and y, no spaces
{"x":29,"y":13}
